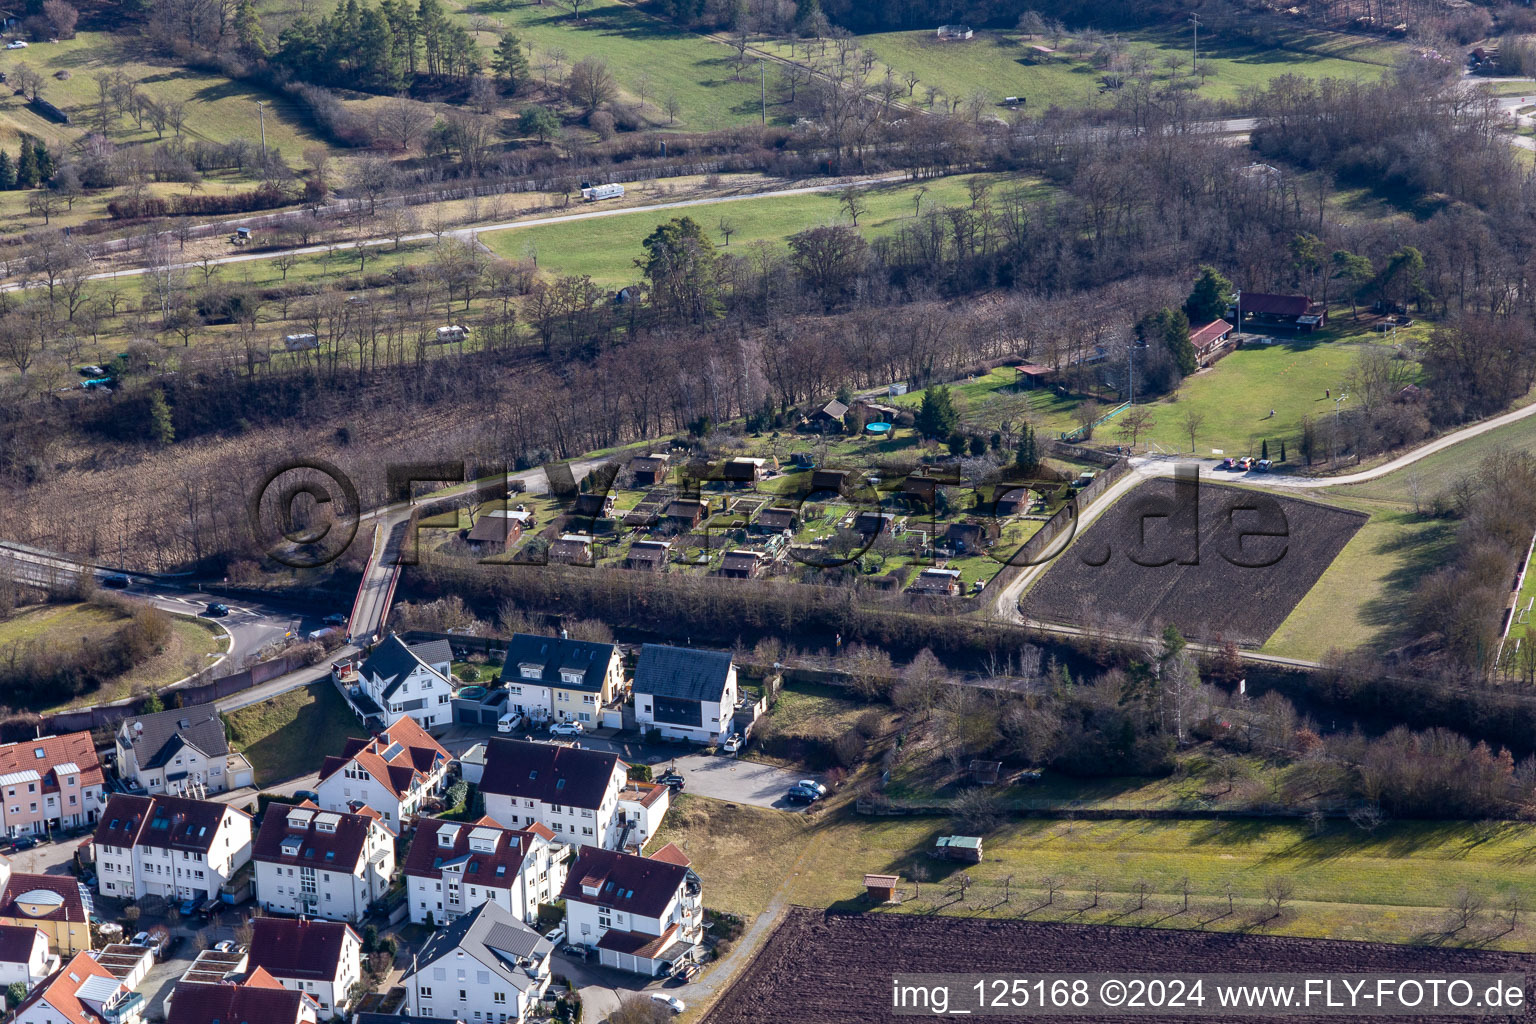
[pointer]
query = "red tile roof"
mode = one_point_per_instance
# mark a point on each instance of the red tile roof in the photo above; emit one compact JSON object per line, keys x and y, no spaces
{"x":636,"y":943}
{"x":670,"y":854}
{"x":306,"y":948}
{"x":59,"y":989}
{"x":642,"y":885}
{"x":162,"y":822}
{"x":1207,"y":333}
{"x":197,"y":1003}
{"x":71,"y":748}
{"x":71,"y":909}
{"x":427,"y":855}
{"x":342,"y":849}
{"x":419,"y":756}
{"x":17,"y":943}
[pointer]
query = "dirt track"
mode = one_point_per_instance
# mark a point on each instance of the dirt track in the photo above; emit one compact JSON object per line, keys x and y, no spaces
{"x":820,"y":968}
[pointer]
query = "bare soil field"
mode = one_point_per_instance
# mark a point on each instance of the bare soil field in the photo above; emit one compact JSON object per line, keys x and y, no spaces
{"x":824,"y":968}
{"x":1217,"y":562}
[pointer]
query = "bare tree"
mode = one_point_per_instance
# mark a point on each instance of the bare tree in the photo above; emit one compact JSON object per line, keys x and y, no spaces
{"x":1278,"y":893}
{"x":1191,"y":422}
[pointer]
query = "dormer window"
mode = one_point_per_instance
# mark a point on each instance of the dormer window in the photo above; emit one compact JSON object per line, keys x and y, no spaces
{"x":572,"y":675}
{"x":530,"y":670}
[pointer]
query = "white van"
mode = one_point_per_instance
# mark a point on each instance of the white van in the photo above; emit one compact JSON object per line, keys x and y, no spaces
{"x":509,"y":721}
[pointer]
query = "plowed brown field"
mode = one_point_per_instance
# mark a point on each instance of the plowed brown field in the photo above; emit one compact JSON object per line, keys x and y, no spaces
{"x":821,"y":968}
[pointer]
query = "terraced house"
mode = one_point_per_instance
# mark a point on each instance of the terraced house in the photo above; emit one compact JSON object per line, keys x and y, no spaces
{"x":169,"y":846}
{"x":454,"y":867}
{"x":48,"y":783}
{"x":328,"y":864}
{"x":56,"y":905}
{"x":567,"y":680}
{"x":392,"y":773}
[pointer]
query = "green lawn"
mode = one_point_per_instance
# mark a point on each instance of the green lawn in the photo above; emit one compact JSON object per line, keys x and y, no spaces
{"x":636,"y":46}
{"x":606,"y":247}
{"x":1434,"y":474}
{"x":987,"y":400}
{"x":1001,"y":64}
{"x":217,"y":108}
{"x":190,"y":648}
{"x":1361,"y":599}
{"x":291,"y":734}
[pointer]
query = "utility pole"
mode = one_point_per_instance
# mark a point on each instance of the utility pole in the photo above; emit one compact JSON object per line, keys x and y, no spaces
{"x":263,"y":118}
{"x":763,"y":66}
{"x":1194,"y":61}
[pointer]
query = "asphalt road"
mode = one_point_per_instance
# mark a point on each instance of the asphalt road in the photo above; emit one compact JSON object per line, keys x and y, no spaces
{"x":738,"y":781}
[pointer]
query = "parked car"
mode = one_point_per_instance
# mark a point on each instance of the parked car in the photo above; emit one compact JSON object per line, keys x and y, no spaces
{"x":216,"y":609}
{"x":92,"y":371}
{"x":1264,"y":465}
{"x":672,"y":1003}
{"x":1245,"y":463}
{"x":565,"y":729}
{"x":556,"y":937}
{"x":141,"y":939}
{"x":673,"y":781}
{"x":335,"y":619}
{"x":16,"y":44}
{"x":732,"y":744}
{"x":188,"y":907}
{"x":509,"y":721}
{"x":300,"y":795}
{"x":116,"y":580}
{"x":796,"y":795}
{"x":813,"y":786}
{"x":24,"y":843}
{"x":227,"y":946}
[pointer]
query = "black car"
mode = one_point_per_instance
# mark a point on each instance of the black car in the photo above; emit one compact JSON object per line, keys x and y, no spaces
{"x":673,"y":781}
{"x":796,"y":795}
{"x":23,"y":843}
{"x":217,"y":609}
{"x":116,"y":580}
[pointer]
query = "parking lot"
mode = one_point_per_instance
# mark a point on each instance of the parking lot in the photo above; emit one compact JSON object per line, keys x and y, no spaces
{"x":742,"y":782}
{"x":47,"y":858}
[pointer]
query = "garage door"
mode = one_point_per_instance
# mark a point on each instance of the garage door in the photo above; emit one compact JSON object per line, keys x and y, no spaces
{"x":467,"y":716}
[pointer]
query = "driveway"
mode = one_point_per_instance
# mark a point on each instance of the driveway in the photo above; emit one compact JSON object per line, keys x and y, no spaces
{"x":741,"y":782}
{"x":601,"y":987}
{"x":51,"y":858}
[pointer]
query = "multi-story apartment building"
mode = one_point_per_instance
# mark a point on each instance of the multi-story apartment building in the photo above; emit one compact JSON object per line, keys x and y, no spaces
{"x":169,"y":846}
{"x":329,"y":864}
{"x":572,"y":792}
{"x":392,"y":773}
{"x":453,"y":867}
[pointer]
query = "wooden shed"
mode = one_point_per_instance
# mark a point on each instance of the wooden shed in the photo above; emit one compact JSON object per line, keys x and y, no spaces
{"x":881,"y":888}
{"x":966,"y":849}
{"x":650,"y":470}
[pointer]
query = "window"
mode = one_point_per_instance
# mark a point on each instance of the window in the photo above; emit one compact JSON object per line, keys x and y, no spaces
{"x":425,"y":993}
{"x":498,"y":997}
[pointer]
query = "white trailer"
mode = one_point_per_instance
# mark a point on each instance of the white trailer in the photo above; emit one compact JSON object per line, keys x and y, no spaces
{"x":300,"y":342}
{"x":593,"y":193}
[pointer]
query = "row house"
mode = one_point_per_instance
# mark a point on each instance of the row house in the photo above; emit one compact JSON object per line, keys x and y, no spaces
{"x":453,"y":867}
{"x":392,"y":773}
{"x":169,"y":846}
{"x":25,"y":958}
{"x":329,"y":864}
{"x":321,"y":959}
{"x":641,"y":914}
{"x":81,"y":992}
{"x":572,"y":792}
{"x":49,"y":783}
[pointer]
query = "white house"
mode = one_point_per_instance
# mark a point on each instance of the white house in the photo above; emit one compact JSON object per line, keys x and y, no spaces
{"x":182,"y":751}
{"x":81,"y":992}
{"x":24,"y":956}
{"x":486,"y":966}
{"x":322,"y":959}
{"x":640,"y":913}
{"x":410,"y":680}
{"x":49,"y":782}
{"x":642,"y":806}
{"x":392,"y":773}
{"x":554,"y":677}
{"x":685,"y":694}
{"x":572,"y":792}
{"x":169,"y":846}
{"x":454,"y":867}
{"x":329,"y":864}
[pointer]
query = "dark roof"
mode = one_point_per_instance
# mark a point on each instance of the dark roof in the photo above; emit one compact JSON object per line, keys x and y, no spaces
{"x":72,"y":901}
{"x":153,"y":737}
{"x":497,"y":869}
{"x":392,"y":662}
{"x":303,"y":948}
{"x":1275,"y":305}
{"x":593,"y":504}
{"x":435,"y":652}
{"x":875,"y":522}
{"x":554,"y":654}
{"x":682,"y":672}
{"x":198,"y":1003}
{"x":165,"y":822}
{"x":777,"y":518}
{"x":341,"y":848}
{"x":17,"y":942}
{"x":547,"y":772}
{"x":493,"y":937}
{"x":623,"y":881}
{"x":494,"y":528}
